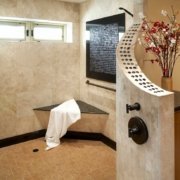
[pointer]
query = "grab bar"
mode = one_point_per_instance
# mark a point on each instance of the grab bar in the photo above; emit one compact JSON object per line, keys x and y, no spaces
{"x":104,"y":87}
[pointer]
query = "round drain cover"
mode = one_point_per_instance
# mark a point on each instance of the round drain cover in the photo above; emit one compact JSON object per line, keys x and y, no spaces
{"x":35,"y":150}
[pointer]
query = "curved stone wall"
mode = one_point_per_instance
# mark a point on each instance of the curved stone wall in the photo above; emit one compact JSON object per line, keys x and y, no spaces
{"x":129,"y":65}
{"x":155,"y":158}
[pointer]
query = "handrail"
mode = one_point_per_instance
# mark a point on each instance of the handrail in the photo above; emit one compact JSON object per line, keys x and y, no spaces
{"x":104,"y":87}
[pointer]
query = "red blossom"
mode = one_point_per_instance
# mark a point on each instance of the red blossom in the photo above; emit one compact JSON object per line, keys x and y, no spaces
{"x":148,"y":48}
{"x":157,"y":23}
{"x":153,"y":30}
{"x":147,"y":39}
{"x":172,"y":35}
{"x":155,"y":50}
{"x":163,"y":40}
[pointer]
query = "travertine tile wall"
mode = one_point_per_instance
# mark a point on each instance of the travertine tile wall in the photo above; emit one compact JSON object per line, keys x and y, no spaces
{"x":35,"y":74}
{"x":104,"y":99}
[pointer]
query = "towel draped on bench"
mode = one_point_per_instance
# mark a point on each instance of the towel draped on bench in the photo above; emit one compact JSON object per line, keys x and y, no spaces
{"x":61,"y":117}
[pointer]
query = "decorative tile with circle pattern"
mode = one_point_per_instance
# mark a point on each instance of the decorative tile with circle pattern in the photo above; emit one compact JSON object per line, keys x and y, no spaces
{"x":130,"y":66}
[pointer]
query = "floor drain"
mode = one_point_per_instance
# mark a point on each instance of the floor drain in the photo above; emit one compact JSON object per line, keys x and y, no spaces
{"x":35,"y":150}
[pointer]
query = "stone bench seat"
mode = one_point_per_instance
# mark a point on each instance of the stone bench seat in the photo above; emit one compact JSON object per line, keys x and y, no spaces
{"x":84,"y":108}
{"x":92,"y":119}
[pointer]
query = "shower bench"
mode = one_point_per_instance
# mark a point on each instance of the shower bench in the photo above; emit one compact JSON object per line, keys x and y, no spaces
{"x":89,"y":127}
{"x":84,"y":108}
{"x":93,"y":119}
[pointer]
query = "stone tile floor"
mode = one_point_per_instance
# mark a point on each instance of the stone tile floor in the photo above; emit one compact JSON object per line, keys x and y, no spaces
{"x":72,"y":160}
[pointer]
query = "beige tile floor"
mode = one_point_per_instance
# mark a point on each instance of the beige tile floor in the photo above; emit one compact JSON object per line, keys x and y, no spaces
{"x":72,"y":160}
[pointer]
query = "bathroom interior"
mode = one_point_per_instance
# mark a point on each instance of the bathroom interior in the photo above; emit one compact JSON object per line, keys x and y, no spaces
{"x":38,"y":74}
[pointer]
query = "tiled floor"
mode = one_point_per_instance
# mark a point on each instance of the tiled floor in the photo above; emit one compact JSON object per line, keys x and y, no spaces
{"x":72,"y":160}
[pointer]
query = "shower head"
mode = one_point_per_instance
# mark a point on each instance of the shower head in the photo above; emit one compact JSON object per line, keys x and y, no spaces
{"x":121,"y":8}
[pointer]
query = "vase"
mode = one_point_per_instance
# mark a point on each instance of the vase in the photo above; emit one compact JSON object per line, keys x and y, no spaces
{"x":167,"y":83}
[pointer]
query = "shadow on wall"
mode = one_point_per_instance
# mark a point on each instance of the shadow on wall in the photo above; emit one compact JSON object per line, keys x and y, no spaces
{"x":43,"y":118}
{"x":94,"y":123}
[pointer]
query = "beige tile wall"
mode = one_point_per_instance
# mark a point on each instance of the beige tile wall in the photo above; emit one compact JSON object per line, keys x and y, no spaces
{"x":37,"y":74}
{"x":34,"y":74}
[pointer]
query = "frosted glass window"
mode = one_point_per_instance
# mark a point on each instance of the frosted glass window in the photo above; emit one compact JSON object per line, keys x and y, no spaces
{"x":23,"y":29}
{"x":12,"y":31}
{"x":48,"y":33}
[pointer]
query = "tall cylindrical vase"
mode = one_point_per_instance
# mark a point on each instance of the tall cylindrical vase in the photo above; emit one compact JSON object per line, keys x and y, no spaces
{"x":167,"y":83}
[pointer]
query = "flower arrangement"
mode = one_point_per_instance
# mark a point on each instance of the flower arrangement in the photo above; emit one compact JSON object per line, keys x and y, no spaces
{"x":162,"y":40}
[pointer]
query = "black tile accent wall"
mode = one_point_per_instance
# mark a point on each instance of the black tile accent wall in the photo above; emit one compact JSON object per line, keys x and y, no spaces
{"x":101,"y":47}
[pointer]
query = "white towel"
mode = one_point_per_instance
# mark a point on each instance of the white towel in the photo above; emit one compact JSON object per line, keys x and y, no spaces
{"x":61,"y":117}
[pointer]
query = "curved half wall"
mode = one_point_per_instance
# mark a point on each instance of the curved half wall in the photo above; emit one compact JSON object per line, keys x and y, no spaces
{"x":153,"y":159}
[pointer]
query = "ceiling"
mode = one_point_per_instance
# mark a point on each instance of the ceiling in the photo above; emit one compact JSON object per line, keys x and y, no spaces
{"x":74,"y":1}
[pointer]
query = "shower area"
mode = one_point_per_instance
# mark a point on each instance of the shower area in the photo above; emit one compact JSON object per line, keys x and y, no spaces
{"x":129,"y":108}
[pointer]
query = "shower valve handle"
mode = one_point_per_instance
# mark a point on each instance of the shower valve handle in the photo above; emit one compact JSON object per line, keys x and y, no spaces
{"x":135,"y":106}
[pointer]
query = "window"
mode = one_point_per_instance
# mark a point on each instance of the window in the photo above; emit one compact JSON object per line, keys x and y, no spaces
{"x":48,"y":32}
{"x":20,"y":29}
{"x":12,"y":31}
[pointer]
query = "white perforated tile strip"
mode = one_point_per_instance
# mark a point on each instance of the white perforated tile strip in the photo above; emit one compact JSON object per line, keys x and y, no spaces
{"x":129,"y":63}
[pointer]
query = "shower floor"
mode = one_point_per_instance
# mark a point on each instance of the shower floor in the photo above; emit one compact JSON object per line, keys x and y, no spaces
{"x":72,"y":160}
